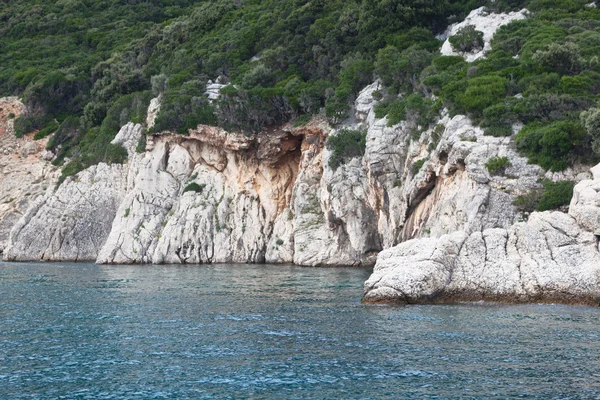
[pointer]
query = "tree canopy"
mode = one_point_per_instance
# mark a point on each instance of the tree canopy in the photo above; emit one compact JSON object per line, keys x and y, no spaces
{"x":84,"y":66}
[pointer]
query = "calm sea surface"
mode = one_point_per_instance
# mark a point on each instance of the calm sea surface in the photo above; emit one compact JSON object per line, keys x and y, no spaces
{"x":80,"y":331}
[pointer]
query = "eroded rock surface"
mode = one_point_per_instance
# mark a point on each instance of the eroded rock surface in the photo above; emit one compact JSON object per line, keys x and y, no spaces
{"x":72,"y":222}
{"x":204,"y":198}
{"x":553,"y":257}
{"x":25,"y":174}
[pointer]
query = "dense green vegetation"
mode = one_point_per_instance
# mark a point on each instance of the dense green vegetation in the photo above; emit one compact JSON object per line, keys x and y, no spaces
{"x":345,"y":145}
{"x":194,"y":187}
{"x":553,"y":195}
{"x":84,"y":67}
{"x":467,"y":39}
{"x":542,"y":71}
{"x":417,"y":165}
{"x":556,"y":194}
{"x":497,"y":165}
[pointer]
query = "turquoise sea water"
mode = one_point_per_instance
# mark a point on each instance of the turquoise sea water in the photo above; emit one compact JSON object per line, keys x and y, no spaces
{"x":80,"y":331}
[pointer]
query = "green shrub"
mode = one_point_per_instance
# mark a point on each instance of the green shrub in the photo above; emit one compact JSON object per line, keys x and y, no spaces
{"x":130,"y":108}
{"x":467,"y":40}
{"x":528,"y":202}
{"x":550,"y":146}
{"x":415,"y":109}
{"x":11,"y":116}
{"x":27,"y":123}
{"x":194,"y":187}
{"x":159,"y":84}
{"x":336,"y":111}
{"x":114,"y":154}
{"x":499,"y":114}
{"x":481,"y":93}
{"x":400,"y":69}
{"x":64,"y":137}
{"x":181,"y":112}
{"x":590,"y":120}
{"x":444,"y":63}
{"x":302,"y":120}
{"x":553,"y":196}
{"x":498,"y":131}
{"x":436,"y":136}
{"x":497,"y":165}
{"x":539,"y":83}
{"x":49,"y":129}
{"x":346,"y":144}
{"x":70,"y":169}
{"x":565,"y":58}
{"x":417,"y":165}
{"x":556,"y":195}
{"x":395,"y":111}
{"x":141,"y":144}
{"x":549,"y":107}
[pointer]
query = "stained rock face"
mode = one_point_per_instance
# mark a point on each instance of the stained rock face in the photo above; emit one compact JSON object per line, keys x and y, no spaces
{"x":553,"y":257}
{"x":198,"y":200}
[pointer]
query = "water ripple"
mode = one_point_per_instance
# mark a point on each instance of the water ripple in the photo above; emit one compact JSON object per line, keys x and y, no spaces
{"x":80,"y":331}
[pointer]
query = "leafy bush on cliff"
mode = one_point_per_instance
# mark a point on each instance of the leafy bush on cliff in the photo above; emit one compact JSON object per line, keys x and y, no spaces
{"x":194,"y":187}
{"x":417,"y":165}
{"x":467,"y":39}
{"x":550,"y":145}
{"x":590,"y":120}
{"x":49,"y":129}
{"x":556,"y":195}
{"x":346,"y":144}
{"x":497,"y":165}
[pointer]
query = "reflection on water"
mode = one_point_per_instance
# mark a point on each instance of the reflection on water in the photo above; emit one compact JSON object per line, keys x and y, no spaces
{"x":80,"y":331}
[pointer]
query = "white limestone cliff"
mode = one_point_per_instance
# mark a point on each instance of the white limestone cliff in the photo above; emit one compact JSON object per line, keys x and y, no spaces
{"x":25,"y":174}
{"x":552,"y":257}
{"x":217,"y":196}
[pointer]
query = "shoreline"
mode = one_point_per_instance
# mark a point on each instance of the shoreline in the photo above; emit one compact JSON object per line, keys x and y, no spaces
{"x":436,"y":300}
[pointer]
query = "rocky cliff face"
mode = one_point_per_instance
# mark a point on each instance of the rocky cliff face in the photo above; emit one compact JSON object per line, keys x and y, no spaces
{"x":217,"y":196}
{"x":552,"y":257}
{"x":26,"y":176}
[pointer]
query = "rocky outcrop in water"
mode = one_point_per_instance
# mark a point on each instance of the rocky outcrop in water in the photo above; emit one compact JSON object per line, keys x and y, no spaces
{"x":552,"y":257}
